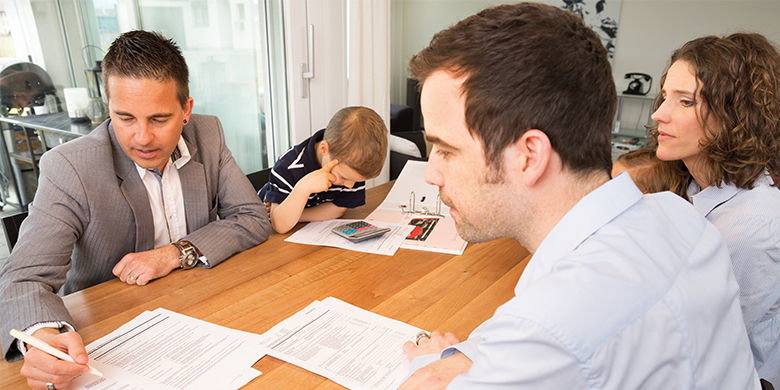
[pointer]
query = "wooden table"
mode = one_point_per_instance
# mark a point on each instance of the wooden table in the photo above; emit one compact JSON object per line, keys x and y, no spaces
{"x":261,"y":286}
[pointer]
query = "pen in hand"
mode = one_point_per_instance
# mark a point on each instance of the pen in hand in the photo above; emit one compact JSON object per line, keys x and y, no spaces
{"x":43,"y":346}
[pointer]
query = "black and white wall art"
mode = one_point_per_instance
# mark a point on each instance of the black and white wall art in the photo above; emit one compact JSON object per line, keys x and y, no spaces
{"x":600,"y":15}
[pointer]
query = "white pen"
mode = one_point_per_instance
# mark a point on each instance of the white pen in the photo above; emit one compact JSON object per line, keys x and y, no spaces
{"x":43,"y":346}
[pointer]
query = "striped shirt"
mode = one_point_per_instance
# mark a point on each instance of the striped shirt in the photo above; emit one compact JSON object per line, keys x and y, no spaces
{"x":750,"y":223}
{"x":297,"y":163}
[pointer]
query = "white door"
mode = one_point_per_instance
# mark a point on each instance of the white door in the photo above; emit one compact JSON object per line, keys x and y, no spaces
{"x":317,"y":65}
{"x":337,"y":55}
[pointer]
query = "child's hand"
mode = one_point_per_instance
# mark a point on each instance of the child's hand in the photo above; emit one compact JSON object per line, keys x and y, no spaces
{"x":319,"y":180}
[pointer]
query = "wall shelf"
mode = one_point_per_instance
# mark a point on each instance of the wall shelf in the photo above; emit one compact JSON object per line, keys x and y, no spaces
{"x":629,"y":128}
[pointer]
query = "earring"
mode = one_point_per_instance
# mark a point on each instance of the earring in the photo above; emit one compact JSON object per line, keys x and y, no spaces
{"x":185,"y":121}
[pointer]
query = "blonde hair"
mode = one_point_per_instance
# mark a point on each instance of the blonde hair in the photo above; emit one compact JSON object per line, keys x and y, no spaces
{"x":651,"y":174}
{"x":357,"y":137}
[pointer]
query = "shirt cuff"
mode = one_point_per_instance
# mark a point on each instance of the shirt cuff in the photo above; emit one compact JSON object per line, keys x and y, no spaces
{"x":202,"y":259}
{"x":40,"y":325}
{"x":467,"y":347}
{"x":422,"y":361}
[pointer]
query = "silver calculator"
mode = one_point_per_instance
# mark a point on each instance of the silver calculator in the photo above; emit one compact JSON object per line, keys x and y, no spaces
{"x":359,"y":231}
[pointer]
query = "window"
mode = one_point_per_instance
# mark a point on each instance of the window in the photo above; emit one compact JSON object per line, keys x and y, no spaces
{"x":200,"y":13}
{"x":228,"y":47}
{"x":7,"y":48}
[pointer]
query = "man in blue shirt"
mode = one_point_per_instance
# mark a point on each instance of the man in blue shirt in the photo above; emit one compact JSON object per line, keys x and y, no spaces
{"x":623,"y":291}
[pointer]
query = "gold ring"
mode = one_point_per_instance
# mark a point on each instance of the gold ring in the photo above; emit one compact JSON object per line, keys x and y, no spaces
{"x":420,"y":336}
{"x":131,"y":277}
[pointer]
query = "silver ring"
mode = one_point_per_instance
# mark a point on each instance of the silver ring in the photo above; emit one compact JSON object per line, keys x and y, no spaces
{"x":50,"y":386}
{"x":420,"y":336}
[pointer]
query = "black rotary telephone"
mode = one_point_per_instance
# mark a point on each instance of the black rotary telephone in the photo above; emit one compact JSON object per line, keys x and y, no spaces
{"x":635,"y":86}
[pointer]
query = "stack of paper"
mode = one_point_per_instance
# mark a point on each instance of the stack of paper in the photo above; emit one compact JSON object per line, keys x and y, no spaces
{"x":353,"y":347}
{"x":161,"y":349}
{"x":319,"y":233}
{"x":414,"y":202}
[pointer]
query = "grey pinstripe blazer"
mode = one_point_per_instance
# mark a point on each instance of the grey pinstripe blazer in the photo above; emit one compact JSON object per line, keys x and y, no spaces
{"x":91,"y":208}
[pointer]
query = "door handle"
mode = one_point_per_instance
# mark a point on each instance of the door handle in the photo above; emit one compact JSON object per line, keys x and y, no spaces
{"x":307,"y":68}
{"x":308,"y":72}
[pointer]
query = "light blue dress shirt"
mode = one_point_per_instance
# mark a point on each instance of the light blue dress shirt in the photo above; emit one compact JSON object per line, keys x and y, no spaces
{"x":750,"y":223}
{"x":626,"y":292}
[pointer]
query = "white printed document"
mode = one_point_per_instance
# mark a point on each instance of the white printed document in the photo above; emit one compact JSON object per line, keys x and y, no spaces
{"x":319,"y":233}
{"x":414,"y":202}
{"x":161,"y":349}
{"x":353,"y":347}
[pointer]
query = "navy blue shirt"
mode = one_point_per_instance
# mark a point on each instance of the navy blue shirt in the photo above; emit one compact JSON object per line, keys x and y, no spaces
{"x":297,"y":163}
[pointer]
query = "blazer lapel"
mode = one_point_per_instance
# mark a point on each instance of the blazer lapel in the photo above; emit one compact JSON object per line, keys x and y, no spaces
{"x":194,"y":190}
{"x":135,"y":193}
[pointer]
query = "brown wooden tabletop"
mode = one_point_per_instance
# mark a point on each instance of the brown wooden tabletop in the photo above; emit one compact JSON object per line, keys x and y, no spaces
{"x":261,"y":286}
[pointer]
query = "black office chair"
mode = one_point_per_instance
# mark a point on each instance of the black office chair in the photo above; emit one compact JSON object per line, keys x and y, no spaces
{"x":259,"y":178}
{"x":11,"y":225}
{"x":401,"y":118}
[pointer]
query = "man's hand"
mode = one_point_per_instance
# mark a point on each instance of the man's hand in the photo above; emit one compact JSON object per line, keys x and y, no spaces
{"x":40,"y":367}
{"x":317,"y":181}
{"x":438,"y":374}
{"x":434,"y":344}
{"x":141,"y":267}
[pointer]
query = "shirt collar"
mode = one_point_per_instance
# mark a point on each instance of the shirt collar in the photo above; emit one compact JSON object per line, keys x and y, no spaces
{"x":310,"y":151}
{"x":708,"y":199}
{"x":592,"y":212}
{"x":180,"y":157}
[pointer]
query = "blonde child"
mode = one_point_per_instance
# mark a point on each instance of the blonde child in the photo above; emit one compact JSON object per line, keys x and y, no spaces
{"x":324,"y":175}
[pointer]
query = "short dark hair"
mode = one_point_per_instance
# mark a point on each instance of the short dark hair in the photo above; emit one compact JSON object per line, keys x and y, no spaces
{"x":530,"y":66}
{"x":357,"y":137}
{"x":144,"y":54}
{"x":738,"y":81}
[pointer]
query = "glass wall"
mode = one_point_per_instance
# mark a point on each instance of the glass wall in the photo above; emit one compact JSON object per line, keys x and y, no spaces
{"x":7,"y":47}
{"x":111,"y":17}
{"x":225,"y":43}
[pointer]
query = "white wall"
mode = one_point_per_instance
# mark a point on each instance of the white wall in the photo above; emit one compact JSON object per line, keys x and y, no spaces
{"x":413,"y":23}
{"x":649,"y":30}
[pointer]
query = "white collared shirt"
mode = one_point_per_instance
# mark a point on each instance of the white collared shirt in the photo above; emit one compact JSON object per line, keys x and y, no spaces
{"x":166,"y":198}
{"x":626,"y":292}
{"x":749,"y":220}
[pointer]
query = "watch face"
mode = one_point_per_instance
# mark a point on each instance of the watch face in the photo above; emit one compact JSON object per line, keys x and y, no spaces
{"x":188,"y":255}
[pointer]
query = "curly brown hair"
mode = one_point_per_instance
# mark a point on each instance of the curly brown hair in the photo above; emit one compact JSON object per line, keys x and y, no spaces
{"x":738,"y":80}
{"x":652,"y":174}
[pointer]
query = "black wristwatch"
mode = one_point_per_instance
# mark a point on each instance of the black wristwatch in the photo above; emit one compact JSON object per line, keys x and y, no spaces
{"x":188,"y":254}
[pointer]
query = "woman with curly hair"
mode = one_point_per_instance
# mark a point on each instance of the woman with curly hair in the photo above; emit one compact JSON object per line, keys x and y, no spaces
{"x":719,"y":114}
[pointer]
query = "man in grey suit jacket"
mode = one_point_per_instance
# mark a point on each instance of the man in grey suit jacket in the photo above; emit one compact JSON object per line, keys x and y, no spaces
{"x":152,"y":189}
